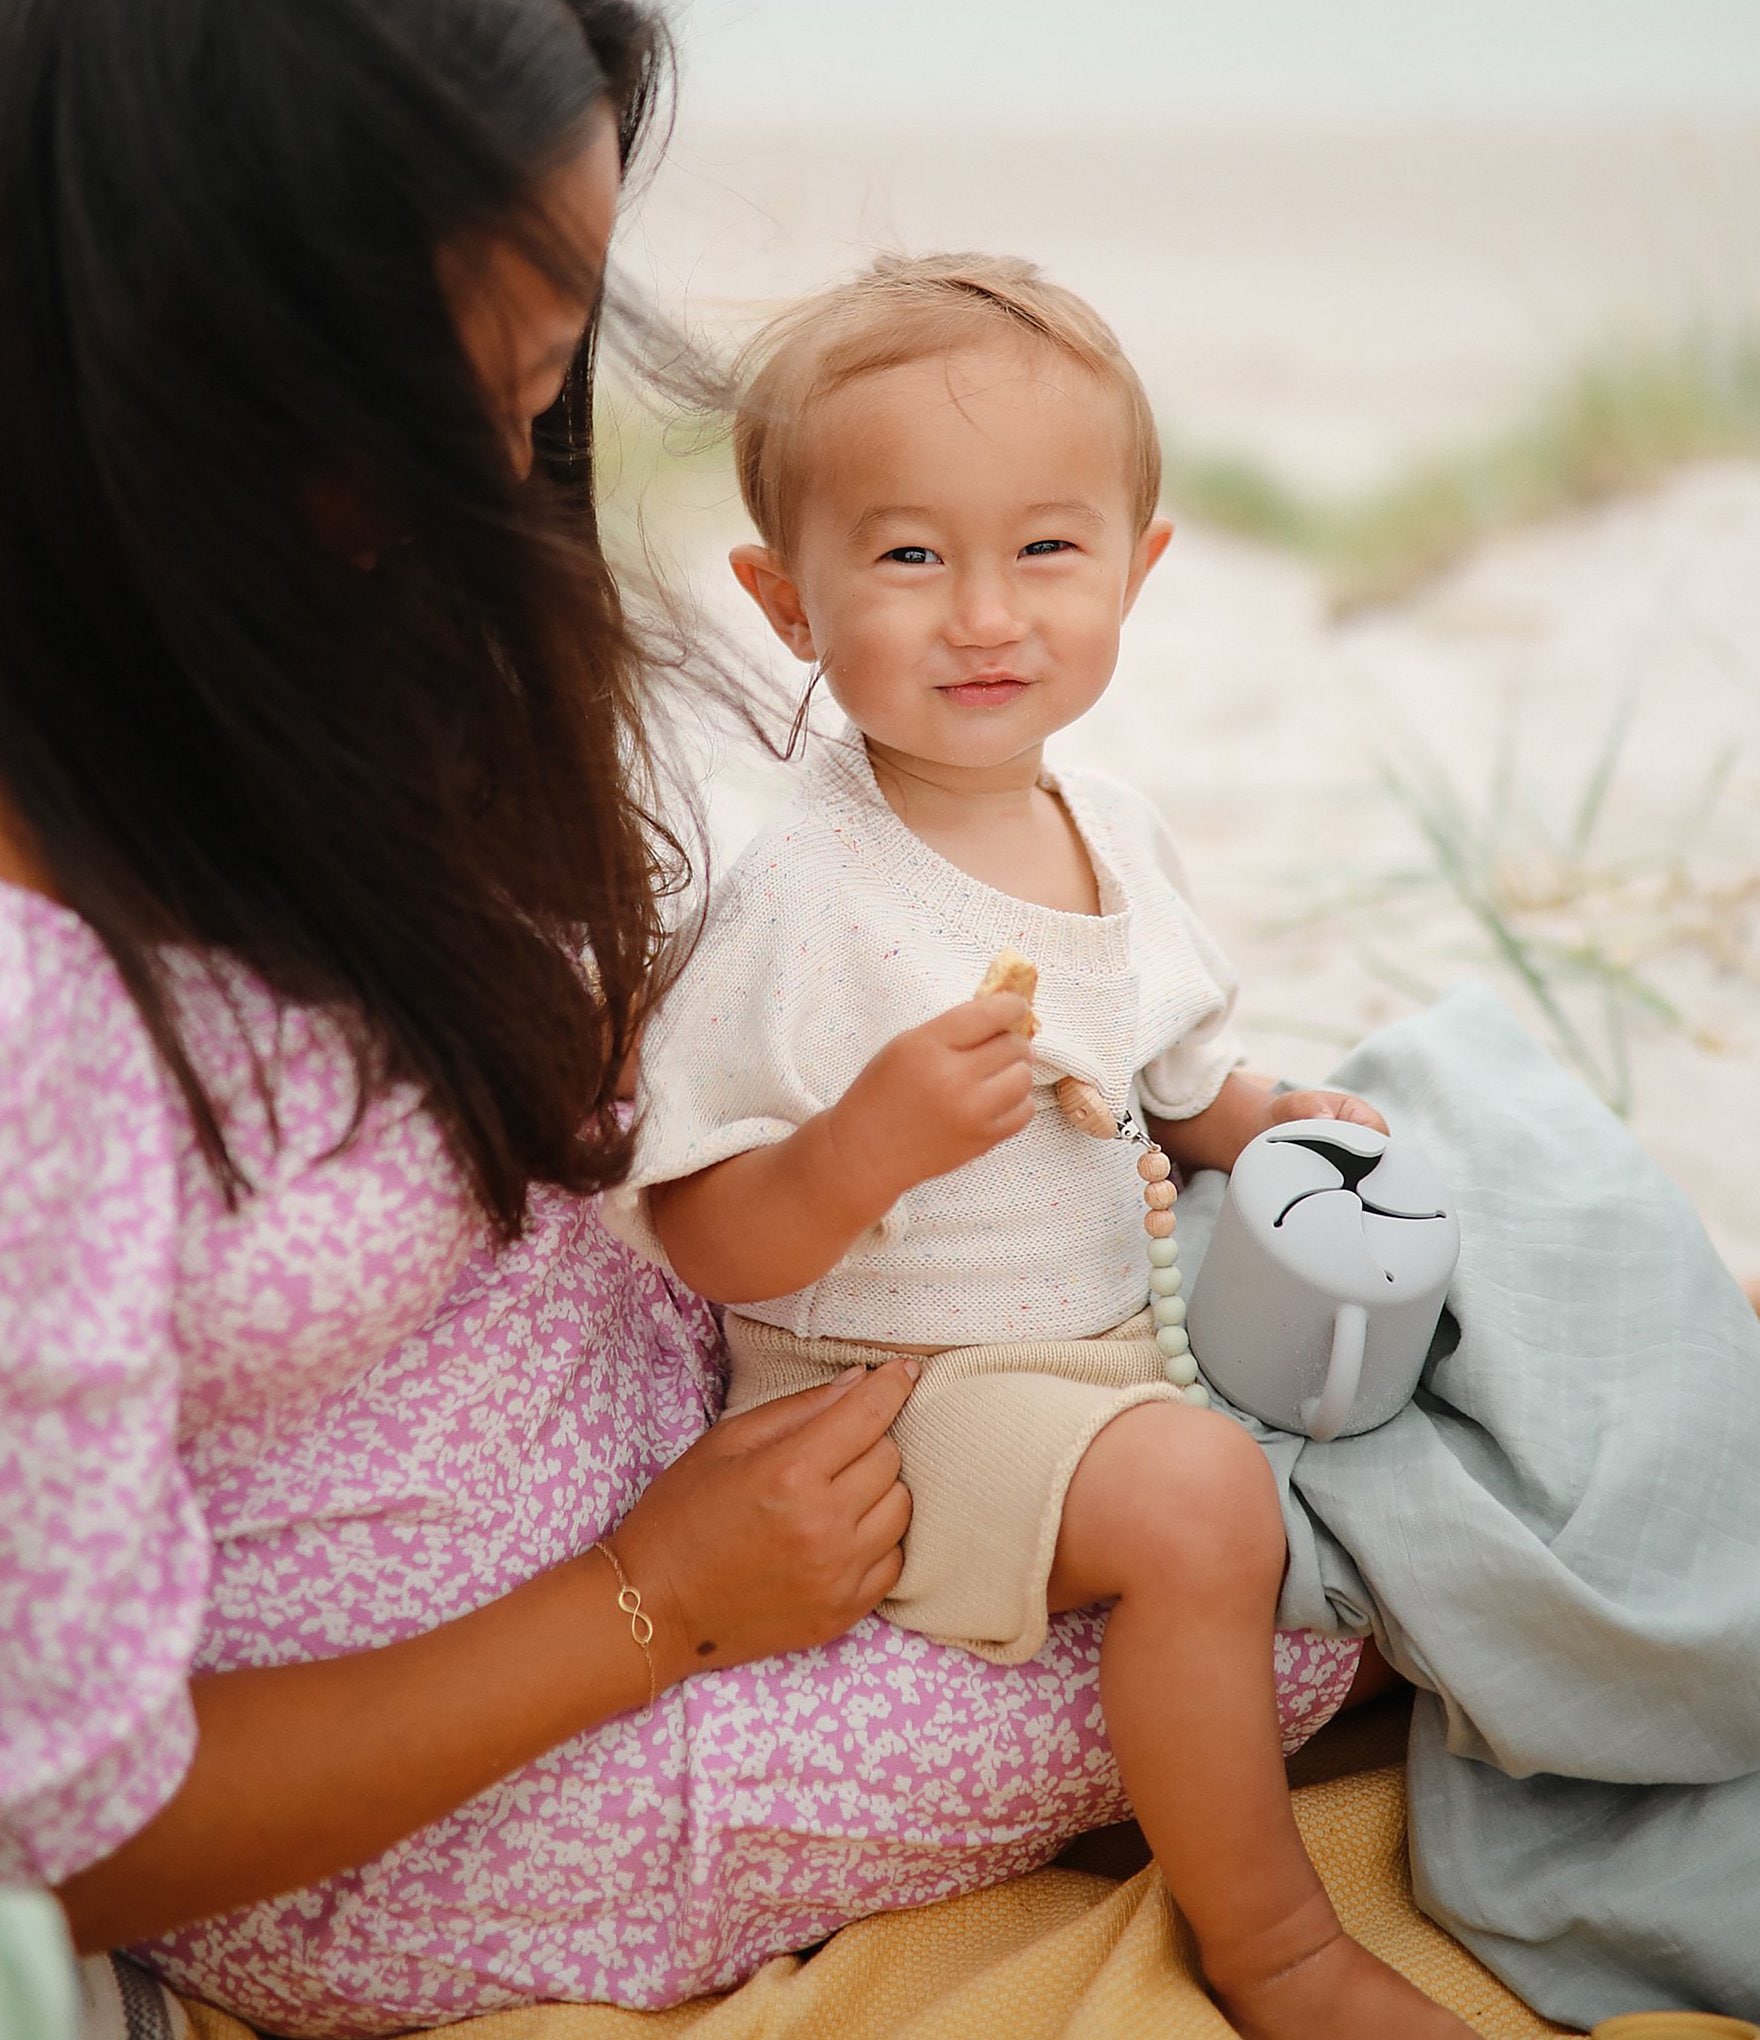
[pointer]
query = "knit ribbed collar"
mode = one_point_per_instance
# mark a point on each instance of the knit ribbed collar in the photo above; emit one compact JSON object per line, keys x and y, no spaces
{"x":842,"y":788}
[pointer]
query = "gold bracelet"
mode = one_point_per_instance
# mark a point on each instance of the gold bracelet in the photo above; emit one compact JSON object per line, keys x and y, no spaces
{"x":641,"y":1626}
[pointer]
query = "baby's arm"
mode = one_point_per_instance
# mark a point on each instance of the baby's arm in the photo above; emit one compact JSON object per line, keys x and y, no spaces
{"x":773,"y":1220}
{"x":1243,"y":1109}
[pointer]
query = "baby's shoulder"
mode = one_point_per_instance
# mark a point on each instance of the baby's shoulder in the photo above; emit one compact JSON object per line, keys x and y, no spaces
{"x":792,"y":866}
{"x":1120,"y":819}
{"x":1112,"y":801}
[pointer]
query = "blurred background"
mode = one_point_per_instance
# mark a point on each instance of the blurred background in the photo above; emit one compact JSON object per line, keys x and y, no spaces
{"x":1451,"y":318}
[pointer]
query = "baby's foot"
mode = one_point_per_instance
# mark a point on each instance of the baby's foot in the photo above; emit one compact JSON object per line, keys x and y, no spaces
{"x":1339,"y":1992}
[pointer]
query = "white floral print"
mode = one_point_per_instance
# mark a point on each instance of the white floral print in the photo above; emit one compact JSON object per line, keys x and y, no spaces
{"x":335,"y":1417}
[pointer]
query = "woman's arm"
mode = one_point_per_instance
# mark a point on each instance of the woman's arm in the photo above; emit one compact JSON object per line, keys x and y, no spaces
{"x":777,"y":1530}
{"x":304,"y":1770}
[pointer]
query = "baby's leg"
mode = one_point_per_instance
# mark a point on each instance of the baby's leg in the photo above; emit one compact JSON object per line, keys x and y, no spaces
{"x":1173,"y":1516}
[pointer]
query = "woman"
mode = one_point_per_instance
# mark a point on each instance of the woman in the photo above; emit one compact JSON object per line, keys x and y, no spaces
{"x":321,"y":756}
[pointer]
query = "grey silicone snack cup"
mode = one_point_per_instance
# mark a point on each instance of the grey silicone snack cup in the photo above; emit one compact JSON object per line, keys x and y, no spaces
{"x":1325,"y":1277}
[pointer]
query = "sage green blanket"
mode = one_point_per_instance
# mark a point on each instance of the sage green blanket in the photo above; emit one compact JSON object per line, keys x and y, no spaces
{"x":1558,"y":1541}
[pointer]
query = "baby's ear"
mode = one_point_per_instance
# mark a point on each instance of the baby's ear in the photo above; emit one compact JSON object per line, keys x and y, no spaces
{"x":766,"y":579}
{"x":1157,"y":534}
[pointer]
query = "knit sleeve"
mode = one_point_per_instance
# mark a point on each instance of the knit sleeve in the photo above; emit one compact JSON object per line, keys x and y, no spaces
{"x":724,"y":1067}
{"x":104,"y":1556}
{"x":1184,"y":1075}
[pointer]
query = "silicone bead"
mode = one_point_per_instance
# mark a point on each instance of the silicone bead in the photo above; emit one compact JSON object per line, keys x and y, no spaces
{"x":1163,"y":1253}
{"x":1197,"y":1395}
{"x":1173,"y":1341}
{"x":1165,"y":1281}
{"x":1159,"y":1196}
{"x":1182,"y":1370}
{"x":1158,"y":1224}
{"x":1169,"y":1310}
{"x":1154,"y":1167}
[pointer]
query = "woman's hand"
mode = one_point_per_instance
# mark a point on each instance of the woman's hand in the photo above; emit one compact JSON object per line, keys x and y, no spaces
{"x":777,"y":1530}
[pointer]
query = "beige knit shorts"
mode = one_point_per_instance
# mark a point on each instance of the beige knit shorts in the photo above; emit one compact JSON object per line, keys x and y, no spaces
{"x":990,"y":1438}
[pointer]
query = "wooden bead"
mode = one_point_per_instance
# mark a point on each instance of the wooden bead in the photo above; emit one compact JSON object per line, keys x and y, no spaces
{"x":1159,"y":1196}
{"x":1084,"y":1108}
{"x":1154,"y":1167}
{"x":1158,"y":1224}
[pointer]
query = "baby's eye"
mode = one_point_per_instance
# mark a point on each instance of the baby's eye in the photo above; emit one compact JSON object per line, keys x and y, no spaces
{"x":912,"y":556}
{"x":1041,"y":546}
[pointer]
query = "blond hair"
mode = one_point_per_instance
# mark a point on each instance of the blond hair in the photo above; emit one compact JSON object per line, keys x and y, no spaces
{"x":903,"y":310}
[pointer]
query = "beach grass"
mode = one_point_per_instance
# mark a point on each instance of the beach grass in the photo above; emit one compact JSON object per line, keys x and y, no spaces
{"x":1582,"y":927}
{"x":1617,"y":425}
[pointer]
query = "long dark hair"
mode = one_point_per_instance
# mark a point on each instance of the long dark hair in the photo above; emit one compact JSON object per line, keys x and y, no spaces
{"x":406,"y":793}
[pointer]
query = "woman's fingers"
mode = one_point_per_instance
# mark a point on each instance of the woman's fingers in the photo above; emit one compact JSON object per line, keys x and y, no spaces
{"x":879,"y":1580}
{"x":787,"y":1414}
{"x":861,"y":1484}
{"x":835,"y":1437}
{"x":883,"y":1525}
{"x":757,"y":1539}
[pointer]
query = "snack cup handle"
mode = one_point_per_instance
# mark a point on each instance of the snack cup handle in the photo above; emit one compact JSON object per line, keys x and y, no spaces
{"x":1323,"y":1415}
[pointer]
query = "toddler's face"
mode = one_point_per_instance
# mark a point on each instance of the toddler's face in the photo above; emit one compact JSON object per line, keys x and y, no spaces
{"x":967,"y":550}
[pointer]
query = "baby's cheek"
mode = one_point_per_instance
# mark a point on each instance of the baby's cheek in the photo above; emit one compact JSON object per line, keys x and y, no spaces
{"x":870,"y":673}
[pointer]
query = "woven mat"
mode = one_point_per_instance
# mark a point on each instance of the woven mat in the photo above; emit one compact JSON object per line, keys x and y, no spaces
{"x":1065,"y":1952}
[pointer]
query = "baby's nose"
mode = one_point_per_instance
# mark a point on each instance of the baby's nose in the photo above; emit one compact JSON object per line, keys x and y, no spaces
{"x":983,"y":613}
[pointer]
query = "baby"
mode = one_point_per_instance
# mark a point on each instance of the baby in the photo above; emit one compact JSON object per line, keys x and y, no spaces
{"x":954,"y":475}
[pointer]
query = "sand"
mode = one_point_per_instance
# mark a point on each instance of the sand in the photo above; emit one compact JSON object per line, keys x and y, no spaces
{"x":1333,"y":300}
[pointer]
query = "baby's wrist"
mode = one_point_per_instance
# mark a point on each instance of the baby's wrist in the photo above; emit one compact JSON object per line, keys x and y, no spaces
{"x":862,"y":1171}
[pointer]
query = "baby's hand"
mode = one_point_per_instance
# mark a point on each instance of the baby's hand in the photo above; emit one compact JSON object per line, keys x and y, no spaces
{"x":937,"y":1096}
{"x":1287,"y":1105}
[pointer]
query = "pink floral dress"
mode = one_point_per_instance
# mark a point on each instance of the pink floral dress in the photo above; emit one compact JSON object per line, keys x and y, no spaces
{"x":334,"y":1418}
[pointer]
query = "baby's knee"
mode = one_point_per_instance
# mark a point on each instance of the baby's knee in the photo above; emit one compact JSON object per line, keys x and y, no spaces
{"x":1189,"y":1491}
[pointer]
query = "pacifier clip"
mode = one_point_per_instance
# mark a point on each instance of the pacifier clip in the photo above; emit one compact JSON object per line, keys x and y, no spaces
{"x":1082,"y":1105}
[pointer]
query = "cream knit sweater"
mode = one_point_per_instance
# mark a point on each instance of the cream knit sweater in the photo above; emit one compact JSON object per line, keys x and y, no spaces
{"x":838,"y":929}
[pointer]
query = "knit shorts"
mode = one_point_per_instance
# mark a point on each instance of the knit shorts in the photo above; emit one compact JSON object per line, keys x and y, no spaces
{"x":990,"y":1438}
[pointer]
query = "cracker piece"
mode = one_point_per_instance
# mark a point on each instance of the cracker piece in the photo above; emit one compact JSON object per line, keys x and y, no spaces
{"x":1011,"y":972}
